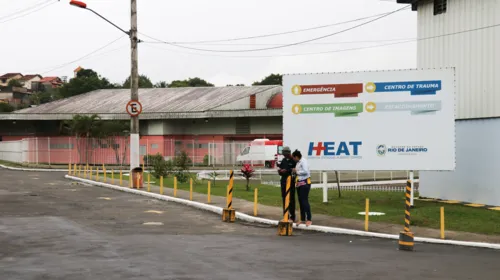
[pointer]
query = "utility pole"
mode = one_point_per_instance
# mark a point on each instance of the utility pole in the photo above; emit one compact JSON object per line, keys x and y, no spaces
{"x":134,"y":107}
{"x":134,"y":88}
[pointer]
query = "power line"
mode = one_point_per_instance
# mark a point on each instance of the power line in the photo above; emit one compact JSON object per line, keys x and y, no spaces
{"x":83,"y":57}
{"x":277,"y":34}
{"x":282,"y":46}
{"x":29,"y":13}
{"x":305,"y":44}
{"x":348,"y":49}
{"x":25,"y":9}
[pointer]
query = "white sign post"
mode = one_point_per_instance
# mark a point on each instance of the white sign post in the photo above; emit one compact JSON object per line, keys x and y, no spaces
{"x":388,"y":120}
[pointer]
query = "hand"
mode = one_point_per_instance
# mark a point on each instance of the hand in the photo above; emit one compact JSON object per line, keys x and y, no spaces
{"x":294,"y":170}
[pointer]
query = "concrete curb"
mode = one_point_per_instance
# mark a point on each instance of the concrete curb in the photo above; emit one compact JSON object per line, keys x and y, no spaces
{"x":32,"y":169}
{"x":251,"y":219}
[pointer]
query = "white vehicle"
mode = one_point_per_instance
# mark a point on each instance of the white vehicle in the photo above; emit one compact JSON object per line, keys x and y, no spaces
{"x":261,"y":152}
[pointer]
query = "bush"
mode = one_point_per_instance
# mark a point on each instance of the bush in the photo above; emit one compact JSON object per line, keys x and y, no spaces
{"x":182,"y":177}
{"x":161,"y":167}
{"x":150,"y":160}
{"x":182,"y":161}
{"x":207,"y":160}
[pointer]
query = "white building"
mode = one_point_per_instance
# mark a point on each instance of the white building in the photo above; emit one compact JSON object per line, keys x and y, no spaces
{"x":465,"y":34}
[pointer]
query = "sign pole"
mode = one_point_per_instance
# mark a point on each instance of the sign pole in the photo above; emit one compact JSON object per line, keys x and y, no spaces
{"x":325,"y":187}
{"x":412,"y":187}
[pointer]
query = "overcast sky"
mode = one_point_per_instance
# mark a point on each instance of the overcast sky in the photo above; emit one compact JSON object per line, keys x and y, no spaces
{"x":59,"y":33}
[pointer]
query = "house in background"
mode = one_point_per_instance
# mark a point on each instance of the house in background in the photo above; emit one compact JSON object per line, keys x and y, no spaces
{"x":17,"y":96}
{"x":6,"y":78}
{"x":47,"y":83}
{"x":27,"y":80}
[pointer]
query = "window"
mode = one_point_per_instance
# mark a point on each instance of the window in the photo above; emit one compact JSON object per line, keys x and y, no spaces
{"x":280,"y":150}
{"x":154,"y":146}
{"x":142,"y":150}
{"x":61,"y":146}
{"x":245,"y":151}
{"x":440,"y":6}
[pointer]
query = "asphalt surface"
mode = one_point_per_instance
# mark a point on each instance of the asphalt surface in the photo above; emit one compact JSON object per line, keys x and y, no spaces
{"x":51,"y":228}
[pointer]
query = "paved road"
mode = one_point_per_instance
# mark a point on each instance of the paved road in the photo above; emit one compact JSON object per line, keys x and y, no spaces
{"x":51,"y":228}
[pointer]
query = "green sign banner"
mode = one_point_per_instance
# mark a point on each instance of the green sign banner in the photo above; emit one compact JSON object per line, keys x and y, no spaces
{"x":340,"y":110}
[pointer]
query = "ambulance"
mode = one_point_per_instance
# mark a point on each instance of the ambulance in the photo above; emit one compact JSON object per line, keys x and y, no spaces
{"x":263,"y":152}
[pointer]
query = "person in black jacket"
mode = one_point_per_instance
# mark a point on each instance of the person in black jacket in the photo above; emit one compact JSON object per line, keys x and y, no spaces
{"x":285,"y":169}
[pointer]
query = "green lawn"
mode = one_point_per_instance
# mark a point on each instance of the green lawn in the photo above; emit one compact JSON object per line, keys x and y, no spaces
{"x":425,"y":214}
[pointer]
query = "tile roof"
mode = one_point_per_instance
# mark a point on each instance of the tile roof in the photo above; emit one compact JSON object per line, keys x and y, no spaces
{"x":9,"y":75}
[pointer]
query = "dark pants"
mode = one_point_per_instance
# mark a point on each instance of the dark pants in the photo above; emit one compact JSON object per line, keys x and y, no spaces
{"x":291,"y":206}
{"x":305,"y":208}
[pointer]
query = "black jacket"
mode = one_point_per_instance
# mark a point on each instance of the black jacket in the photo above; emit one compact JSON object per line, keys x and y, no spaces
{"x":288,"y":164}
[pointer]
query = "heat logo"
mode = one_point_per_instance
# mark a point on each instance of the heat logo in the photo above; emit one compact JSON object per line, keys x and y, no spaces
{"x":341,"y":150}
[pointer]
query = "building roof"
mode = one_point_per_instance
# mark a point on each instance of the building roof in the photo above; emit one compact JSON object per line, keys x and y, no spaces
{"x":160,"y":103}
{"x":49,"y":79}
{"x":9,"y":75}
{"x":30,"y":77}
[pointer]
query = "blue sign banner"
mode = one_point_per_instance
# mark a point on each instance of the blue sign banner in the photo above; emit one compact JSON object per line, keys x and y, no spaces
{"x":415,"y":88}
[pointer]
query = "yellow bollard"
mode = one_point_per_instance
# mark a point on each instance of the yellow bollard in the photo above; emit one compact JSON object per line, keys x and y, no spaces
{"x":121,"y":178}
{"x":69,"y":169}
{"x":88,"y":169}
{"x":80,"y":170}
{"x":191,"y":189}
{"x":90,"y":173}
{"x":105,"y":174}
{"x":229,"y":214}
{"x":285,"y":228}
{"x":175,"y":186}
{"x":112,"y":177}
{"x":74,"y":170}
{"x":209,"y":200}
{"x":149,"y":182}
{"x":97,"y":174}
{"x":367,"y":210}
{"x":84,"y":171}
{"x":161,"y":184}
{"x":255,"y":201}
{"x":130,"y":180}
{"x":406,"y":237}
{"x":442,"y":223}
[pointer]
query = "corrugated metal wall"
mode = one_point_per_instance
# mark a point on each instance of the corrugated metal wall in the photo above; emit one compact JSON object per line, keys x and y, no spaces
{"x":475,"y":55}
{"x":475,"y":178}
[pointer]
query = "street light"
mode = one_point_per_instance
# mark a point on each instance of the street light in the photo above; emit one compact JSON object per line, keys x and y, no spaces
{"x":134,"y":75}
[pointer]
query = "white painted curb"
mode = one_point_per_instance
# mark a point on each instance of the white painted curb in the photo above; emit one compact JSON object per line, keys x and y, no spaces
{"x":32,"y":169}
{"x":251,"y":219}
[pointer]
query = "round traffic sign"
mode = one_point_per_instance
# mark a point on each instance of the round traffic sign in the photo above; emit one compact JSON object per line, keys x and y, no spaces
{"x":134,"y":108}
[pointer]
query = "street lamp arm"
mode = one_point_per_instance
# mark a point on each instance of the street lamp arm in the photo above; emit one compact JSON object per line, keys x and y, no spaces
{"x":126,"y":32}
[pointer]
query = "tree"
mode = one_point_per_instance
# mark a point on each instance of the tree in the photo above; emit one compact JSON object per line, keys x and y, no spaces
{"x":273,"y":79}
{"x":86,"y":80}
{"x":14,"y":83}
{"x":191,"y":82}
{"x":144,"y":82}
{"x":6,"y":107}
{"x":91,"y":131}
{"x":38,"y":98}
{"x":161,"y":84}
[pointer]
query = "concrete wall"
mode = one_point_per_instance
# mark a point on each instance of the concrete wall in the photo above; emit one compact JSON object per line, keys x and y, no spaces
{"x":264,"y":125}
{"x":478,"y":161}
{"x":11,"y":151}
{"x":473,"y":54}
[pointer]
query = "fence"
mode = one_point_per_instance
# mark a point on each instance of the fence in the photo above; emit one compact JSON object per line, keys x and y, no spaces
{"x":115,"y":152}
